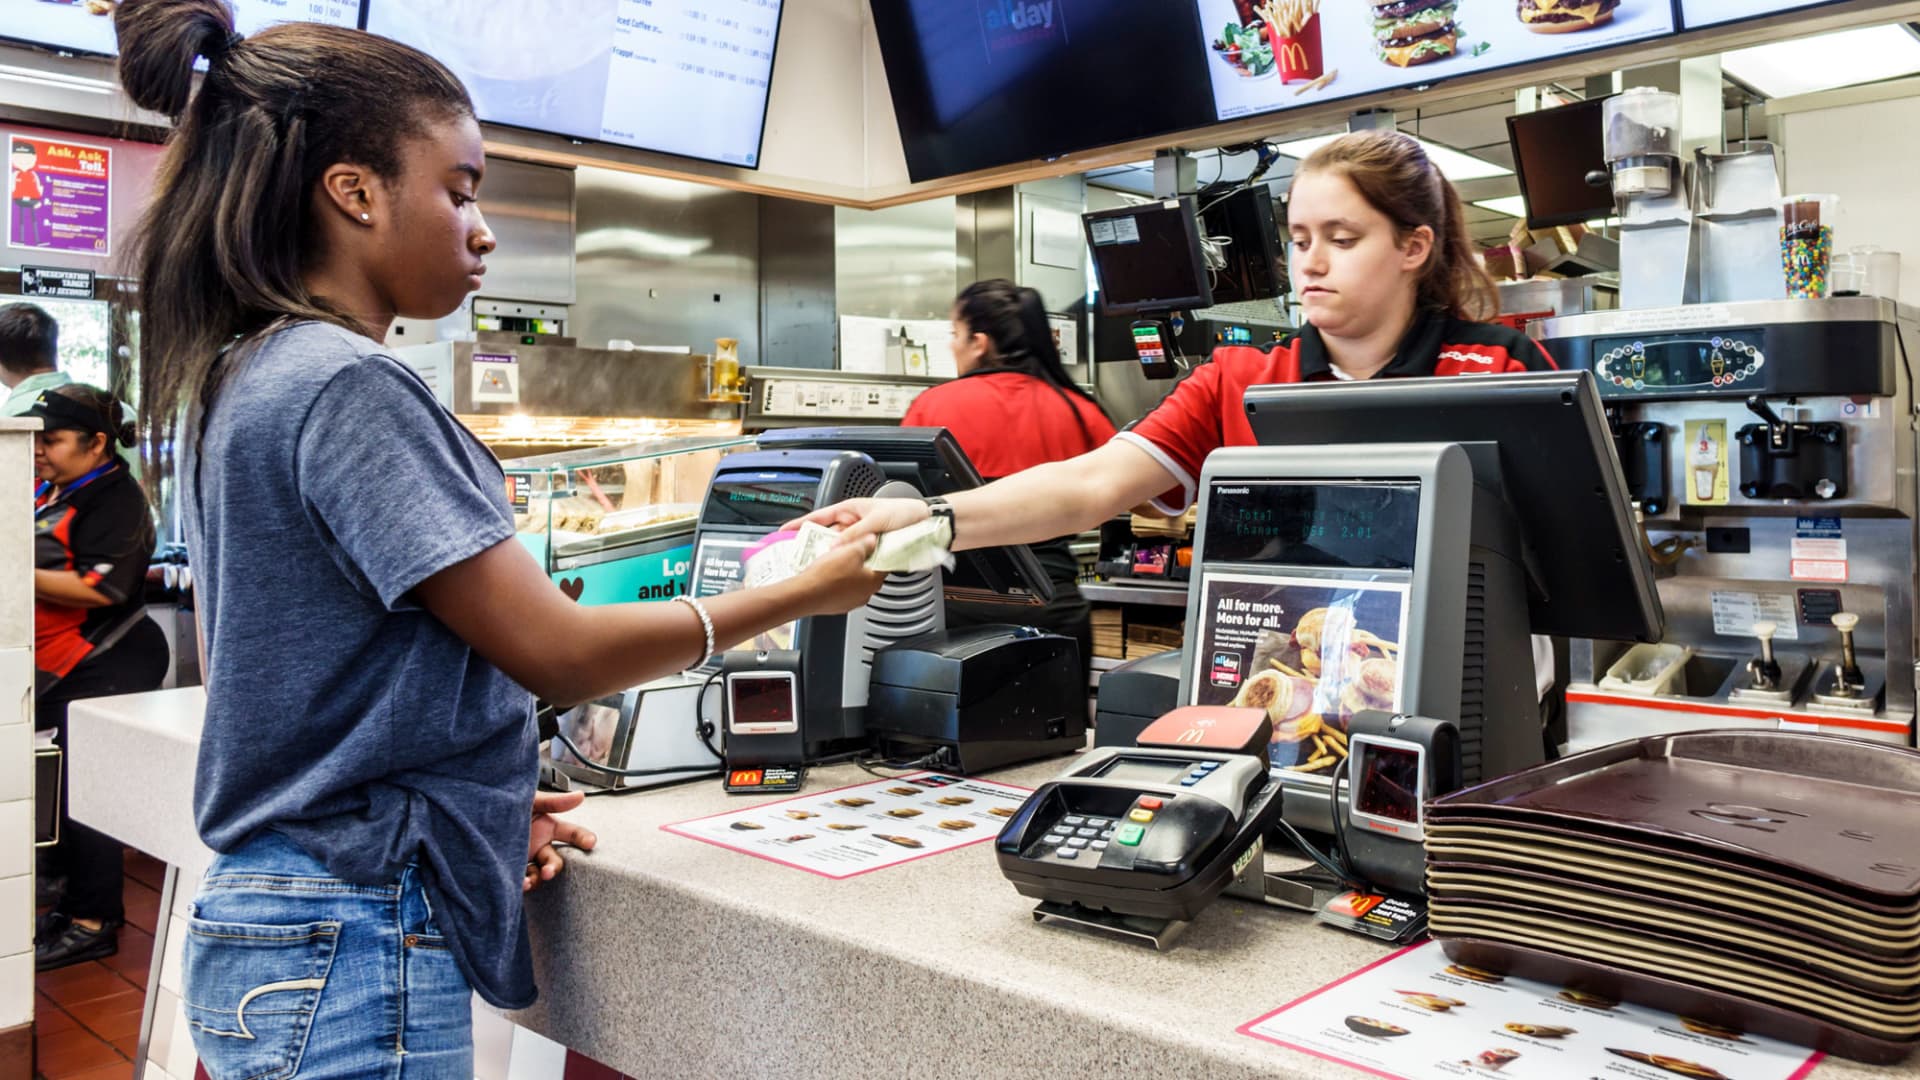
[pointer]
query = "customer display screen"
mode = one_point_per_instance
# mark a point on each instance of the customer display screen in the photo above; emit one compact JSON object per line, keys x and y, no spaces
{"x":77,"y":26}
{"x":1350,"y":526}
{"x":760,"y":498}
{"x":1388,"y":782}
{"x":761,"y":703}
{"x":681,"y":78}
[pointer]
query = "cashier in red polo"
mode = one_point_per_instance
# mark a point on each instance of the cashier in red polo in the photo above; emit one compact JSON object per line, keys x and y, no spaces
{"x":1391,"y":287}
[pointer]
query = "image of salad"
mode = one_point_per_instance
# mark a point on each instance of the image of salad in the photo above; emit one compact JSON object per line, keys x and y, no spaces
{"x":1245,"y":49}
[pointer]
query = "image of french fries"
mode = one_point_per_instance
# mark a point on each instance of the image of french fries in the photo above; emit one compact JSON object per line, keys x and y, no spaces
{"x":1287,"y":17}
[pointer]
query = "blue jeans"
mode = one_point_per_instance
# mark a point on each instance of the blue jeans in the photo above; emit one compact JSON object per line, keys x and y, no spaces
{"x":290,"y":972}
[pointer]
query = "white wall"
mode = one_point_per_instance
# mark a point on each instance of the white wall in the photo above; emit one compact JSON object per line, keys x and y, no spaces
{"x":16,"y":730}
{"x":1864,"y":151}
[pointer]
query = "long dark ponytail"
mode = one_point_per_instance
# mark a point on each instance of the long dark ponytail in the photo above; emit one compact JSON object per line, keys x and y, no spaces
{"x":1014,"y":318}
{"x":225,"y":241}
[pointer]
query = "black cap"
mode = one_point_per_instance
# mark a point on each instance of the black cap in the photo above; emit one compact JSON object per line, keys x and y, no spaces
{"x":58,"y":412}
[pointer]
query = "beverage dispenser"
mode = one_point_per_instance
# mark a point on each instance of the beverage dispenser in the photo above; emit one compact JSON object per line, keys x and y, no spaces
{"x":1770,"y":448}
{"x":1641,"y":139}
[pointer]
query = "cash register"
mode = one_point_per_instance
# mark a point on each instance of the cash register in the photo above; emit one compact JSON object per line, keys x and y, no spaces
{"x":1384,"y":552}
{"x":827,"y":664}
{"x":1389,"y":545}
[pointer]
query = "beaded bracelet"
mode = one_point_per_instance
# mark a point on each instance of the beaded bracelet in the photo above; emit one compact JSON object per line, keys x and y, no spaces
{"x":706,"y":623}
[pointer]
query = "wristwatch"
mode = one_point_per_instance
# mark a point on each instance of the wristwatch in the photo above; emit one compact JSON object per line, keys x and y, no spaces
{"x":939,"y":507}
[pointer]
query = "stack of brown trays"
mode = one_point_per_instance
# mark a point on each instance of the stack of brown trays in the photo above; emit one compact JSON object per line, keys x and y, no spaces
{"x":1763,"y":881}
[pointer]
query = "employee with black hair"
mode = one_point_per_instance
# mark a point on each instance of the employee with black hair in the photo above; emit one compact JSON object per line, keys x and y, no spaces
{"x":29,"y":356}
{"x":1012,"y":408}
{"x":93,"y":538}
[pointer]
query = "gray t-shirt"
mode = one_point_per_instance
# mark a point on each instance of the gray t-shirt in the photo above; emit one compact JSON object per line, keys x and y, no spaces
{"x":339,"y":712}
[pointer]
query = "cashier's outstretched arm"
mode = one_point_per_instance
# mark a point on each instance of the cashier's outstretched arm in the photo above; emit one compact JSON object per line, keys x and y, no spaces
{"x":1046,"y":501}
{"x":503,"y":605}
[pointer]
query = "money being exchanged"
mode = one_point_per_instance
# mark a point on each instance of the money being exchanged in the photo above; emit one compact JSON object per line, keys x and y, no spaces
{"x":915,"y":549}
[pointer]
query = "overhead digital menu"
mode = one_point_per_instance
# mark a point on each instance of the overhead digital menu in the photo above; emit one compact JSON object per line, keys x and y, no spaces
{"x":1698,"y":13}
{"x":253,"y":16}
{"x":1266,"y":55}
{"x":685,"y":77}
{"x":87,"y":25}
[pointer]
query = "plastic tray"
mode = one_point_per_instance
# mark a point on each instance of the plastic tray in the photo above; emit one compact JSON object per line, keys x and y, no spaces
{"x":1819,"y":808}
{"x":1841,"y":952}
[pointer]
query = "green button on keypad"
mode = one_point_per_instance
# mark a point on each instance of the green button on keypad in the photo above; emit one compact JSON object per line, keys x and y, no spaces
{"x":1130,"y":834}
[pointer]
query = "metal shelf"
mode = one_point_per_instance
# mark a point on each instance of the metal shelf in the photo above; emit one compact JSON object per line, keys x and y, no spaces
{"x":1113,"y":592}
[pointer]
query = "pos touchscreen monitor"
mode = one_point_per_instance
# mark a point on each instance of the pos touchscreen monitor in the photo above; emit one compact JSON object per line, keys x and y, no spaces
{"x":1555,"y":151}
{"x":1147,"y":258}
{"x":1540,"y":441}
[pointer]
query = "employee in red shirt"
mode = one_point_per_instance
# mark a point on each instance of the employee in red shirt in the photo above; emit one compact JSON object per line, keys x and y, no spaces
{"x":1391,"y":288}
{"x":1011,"y":409}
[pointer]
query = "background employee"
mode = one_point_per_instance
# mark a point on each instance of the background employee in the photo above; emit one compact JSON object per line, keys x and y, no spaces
{"x":1012,"y":408}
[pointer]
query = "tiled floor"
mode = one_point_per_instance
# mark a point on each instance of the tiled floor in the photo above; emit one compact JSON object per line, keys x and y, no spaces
{"x":88,"y":1016}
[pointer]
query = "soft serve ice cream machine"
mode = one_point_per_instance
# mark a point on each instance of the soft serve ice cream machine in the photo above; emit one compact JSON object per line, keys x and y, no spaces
{"x":1770,"y":449}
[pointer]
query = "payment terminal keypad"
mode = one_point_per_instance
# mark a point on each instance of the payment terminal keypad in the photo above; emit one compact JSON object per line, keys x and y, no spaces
{"x":1147,"y":831}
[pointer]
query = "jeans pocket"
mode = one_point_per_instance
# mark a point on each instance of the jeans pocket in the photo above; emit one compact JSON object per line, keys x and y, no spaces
{"x":251,"y":992}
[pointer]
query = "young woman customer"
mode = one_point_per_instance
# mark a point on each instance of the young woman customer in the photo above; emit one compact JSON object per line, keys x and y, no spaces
{"x":1012,"y":408}
{"x":375,"y":635}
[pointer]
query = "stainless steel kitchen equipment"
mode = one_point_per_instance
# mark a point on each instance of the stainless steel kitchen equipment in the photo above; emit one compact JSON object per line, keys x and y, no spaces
{"x":1770,"y":448}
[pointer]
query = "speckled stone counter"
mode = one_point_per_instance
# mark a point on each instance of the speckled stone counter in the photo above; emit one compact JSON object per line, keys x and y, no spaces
{"x":668,"y":956}
{"x":665,"y":956}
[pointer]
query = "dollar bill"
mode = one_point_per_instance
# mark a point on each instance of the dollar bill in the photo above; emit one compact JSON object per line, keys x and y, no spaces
{"x":918,"y":547}
{"x":814,"y":541}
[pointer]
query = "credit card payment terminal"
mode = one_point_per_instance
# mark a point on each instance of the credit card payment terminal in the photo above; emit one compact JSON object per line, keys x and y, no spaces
{"x":1129,"y":838}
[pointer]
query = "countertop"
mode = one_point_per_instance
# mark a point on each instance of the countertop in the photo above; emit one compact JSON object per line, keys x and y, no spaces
{"x":662,"y":955}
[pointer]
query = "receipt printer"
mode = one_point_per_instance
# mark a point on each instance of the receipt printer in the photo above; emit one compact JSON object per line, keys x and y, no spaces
{"x":986,"y":695}
{"x":1134,"y":695}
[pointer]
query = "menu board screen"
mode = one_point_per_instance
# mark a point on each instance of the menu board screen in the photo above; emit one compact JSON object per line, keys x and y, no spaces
{"x":1267,"y":55}
{"x":686,"y":77}
{"x":1695,"y":14}
{"x":86,"y":26}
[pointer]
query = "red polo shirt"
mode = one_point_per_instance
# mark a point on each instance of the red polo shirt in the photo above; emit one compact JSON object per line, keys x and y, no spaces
{"x":1010,"y":421}
{"x":1206,"y":411}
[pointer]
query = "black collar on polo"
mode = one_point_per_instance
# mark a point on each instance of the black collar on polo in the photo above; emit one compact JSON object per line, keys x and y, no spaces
{"x":1417,"y":354}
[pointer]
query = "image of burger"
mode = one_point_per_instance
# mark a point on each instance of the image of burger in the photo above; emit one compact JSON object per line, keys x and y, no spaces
{"x":1565,"y":16}
{"x":1409,"y":32}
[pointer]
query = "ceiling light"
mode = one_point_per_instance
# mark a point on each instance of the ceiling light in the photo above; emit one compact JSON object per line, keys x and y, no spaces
{"x":1810,"y":64}
{"x":1453,"y":164}
{"x":1510,"y":205}
{"x":55,"y":79}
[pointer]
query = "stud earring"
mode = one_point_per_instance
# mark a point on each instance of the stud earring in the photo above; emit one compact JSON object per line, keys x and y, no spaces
{"x":366,"y":217}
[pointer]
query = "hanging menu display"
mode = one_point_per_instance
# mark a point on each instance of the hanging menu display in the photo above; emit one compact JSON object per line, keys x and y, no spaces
{"x":1268,"y":55}
{"x":686,"y":77}
{"x":1695,"y":14}
{"x":86,"y":26}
